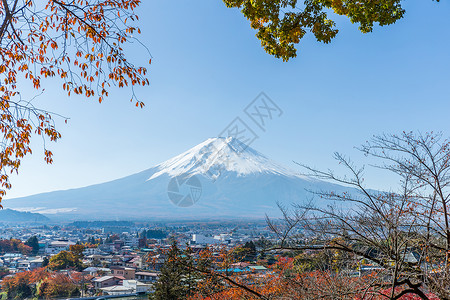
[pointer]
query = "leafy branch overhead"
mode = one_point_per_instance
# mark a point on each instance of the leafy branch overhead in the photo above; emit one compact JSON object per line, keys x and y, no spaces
{"x":281,"y":24}
{"x":79,"y":42}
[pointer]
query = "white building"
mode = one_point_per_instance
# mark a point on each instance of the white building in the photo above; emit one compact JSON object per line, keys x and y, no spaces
{"x":57,"y":246}
{"x":117,"y":290}
{"x":200,"y":239}
{"x":223,"y":237}
{"x":91,"y":251}
{"x":137,"y":286}
{"x":132,"y":242}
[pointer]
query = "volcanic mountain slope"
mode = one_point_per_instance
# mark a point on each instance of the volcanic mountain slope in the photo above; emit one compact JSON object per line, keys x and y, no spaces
{"x":217,"y":178}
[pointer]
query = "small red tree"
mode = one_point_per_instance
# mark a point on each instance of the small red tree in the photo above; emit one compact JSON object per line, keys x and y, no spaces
{"x":24,"y":249}
{"x":20,"y":285}
{"x":58,"y":285}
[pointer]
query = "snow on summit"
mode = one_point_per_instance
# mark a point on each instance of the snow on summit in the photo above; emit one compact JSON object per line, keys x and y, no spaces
{"x":217,"y":156}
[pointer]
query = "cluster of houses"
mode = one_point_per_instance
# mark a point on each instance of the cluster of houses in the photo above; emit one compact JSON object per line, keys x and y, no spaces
{"x":111,"y":269}
{"x":124,"y":265}
{"x":118,"y":280}
{"x":16,"y":262}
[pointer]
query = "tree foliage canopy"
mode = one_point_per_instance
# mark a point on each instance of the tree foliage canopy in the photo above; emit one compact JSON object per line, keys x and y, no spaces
{"x":79,"y":42}
{"x":33,"y":242}
{"x":65,"y":260}
{"x":41,"y":283}
{"x":16,"y":246}
{"x":281,"y":24}
{"x":173,"y":283}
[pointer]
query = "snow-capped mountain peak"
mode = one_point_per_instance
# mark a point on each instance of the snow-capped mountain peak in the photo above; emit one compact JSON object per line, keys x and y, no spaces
{"x":216,"y":157}
{"x":245,"y":184}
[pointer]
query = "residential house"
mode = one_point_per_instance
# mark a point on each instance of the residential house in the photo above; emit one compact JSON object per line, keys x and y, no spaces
{"x":135,"y":262}
{"x":258,"y":269}
{"x":127,"y":273}
{"x":106,"y":281}
{"x":23,"y":265}
{"x":147,"y":277}
{"x":36,"y":263}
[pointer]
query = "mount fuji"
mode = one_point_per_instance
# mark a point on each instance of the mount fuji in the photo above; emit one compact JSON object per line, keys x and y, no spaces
{"x":219,"y":178}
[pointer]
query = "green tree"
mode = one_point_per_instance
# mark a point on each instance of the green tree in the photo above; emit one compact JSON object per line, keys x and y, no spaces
{"x":34,"y":244}
{"x":77,"y":251}
{"x":246,"y":253}
{"x":65,"y":260}
{"x":45,"y":261}
{"x":281,"y":24}
{"x":251,"y":252}
{"x":262,"y":245}
{"x":177,"y":278}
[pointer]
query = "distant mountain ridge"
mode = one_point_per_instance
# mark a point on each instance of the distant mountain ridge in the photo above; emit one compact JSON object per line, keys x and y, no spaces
{"x":13,"y":216}
{"x":231,"y":181}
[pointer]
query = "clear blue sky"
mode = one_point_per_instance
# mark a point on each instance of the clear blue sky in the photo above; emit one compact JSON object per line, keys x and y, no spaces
{"x":208,"y":65}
